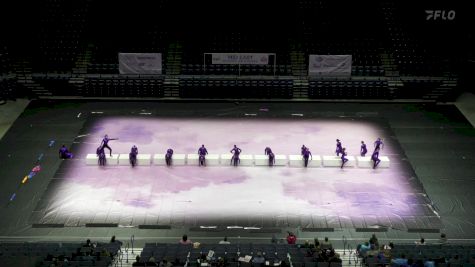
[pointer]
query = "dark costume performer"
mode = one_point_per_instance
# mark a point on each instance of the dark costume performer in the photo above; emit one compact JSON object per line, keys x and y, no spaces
{"x":306,"y":155}
{"x":375,"y":158}
{"x":343,"y":159}
{"x":202,"y":155}
{"x":378,"y":144}
{"x":102,"y":156}
{"x":105,"y":143}
{"x":302,"y":149}
{"x":236,"y":151}
{"x":133,"y":155}
{"x":338,"y":147}
{"x":363,"y":149}
{"x":168,"y":157}
{"x":64,"y":153}
{"x":269,"y":152}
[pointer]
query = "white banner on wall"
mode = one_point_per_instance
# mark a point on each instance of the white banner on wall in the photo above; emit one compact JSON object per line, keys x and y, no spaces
{"x":140,"y":63}
{"x":329,"y":65}
{"x":240,"y":58}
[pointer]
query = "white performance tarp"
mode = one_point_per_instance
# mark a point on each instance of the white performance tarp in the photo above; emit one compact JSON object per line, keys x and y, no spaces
{"x":329,"y":65}
{"x":240,"y":58}
{"x":140,"y":63}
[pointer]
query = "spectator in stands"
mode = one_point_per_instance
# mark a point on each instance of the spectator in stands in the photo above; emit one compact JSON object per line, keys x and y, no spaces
{"x":400,"y":261}
{"x":363,"y":249}
{"x":374,"y":241}
{"x":151,"y":261}
{"x":115,"y":241}
{"x":258,"y":259}
{"x":306,"y":244}
{"x":363,"y":149}
{"x":316,"y":243}
{"x":224,"y":241}
{"x":274,"y":239}
{"x":184,"y":240}
{"x":137,"y":262}
{"x":335,"y":258}
{"x":421,"y":242}
{"x":443,"y":239}
{"x":134,"y":151}
{"x":88,"y":243}
{"x":64,"y":153}
{"x":291,"y":238}
{"x":429,"y":263}
{"x":326,"y":244}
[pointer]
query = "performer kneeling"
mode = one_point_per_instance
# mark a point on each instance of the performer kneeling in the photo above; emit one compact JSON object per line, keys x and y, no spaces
{"x":343,"y":159}
{"x":363,"y":149}
{"x":375,"y":158}
{"x":235,"y":159}
{"x":202,"y":151}
{"x":168,"y":157}
{"x":306,"y":154}
{"x":102,"y":156}
{"x":64,"y":153}
{"x":133,"y":155}
{"x":268,"y":151}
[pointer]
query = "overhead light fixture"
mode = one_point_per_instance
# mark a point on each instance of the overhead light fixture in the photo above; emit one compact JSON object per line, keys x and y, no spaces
{"x":235,"y":227}
{"x":252,"y":228}
{"x":97,"y":112}
{"x":297,"y":114}
{"x":208,"y":227}
{"x":250,"y":114}
{"x":145,"y":113}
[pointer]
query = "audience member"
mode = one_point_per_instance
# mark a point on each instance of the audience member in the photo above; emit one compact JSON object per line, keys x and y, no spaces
{"x":326,"y":244}
{"x":443,"y":239}
{"x":185,"y":241}
{"x":291,"y":238}
{"x":258,"y":259}
{"x":374,"y":241}
{"x":224,"y":241}
{"x":363,"y":249}
{"x":400,"y":261}
{"x":113,"y":240}
{"x":421,"y":242}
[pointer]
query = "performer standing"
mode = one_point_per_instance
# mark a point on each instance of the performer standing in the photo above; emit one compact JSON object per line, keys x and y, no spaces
{"x":302,"y":149}
{"x":64,"y":153}
{"x":363,"y":149}
{"x":378,"y":144}
{"x":168,"y":157}
{"x":375,"y":158}
{"x":134,"y":151}
{"x":306,"y":154}
{"x":102,"y":156}
{"x":105,"y":143}
{"x":236,"y":151}
{"x":343,"y":159}
{"x":269,"y":152}
{"x":338,"y":147}
{"x":202,"y":153}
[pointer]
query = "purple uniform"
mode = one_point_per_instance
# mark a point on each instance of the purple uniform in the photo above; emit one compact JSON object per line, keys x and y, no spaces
{"x":168,"y":157}
{"x":64,"y":153}
{"x":102,"y":156}
{"x":302,"y":149}
{"x":375,"y":158}
{"x":343,"y":159}
{"x":134,"y":151}
{"x":378,"y":144}
{"x":105,"y":143}
{"x":306,"y":155}
{"x":269,"y":152}
{"x":235,"y":159}
{"x":202,"y":151}
{"x":338,"y":147}
{"x":363,"y":150}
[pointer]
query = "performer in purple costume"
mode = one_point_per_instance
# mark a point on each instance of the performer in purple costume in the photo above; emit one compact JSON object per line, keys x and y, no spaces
{"x":269,"y":152}
{"x":134,"y":151}
{"x":363,"y":149}
{"x":338,"y":147}
{"x":102,"y":156}
{"x":306,"y":154}
{"x":343,"y":159}
{"x":302,"y":149}
{"x":202,"y":153}
{"x":105,"y":143}
{"x":168,"y":157}
{"x":378,"y":144}
{"x":236,"y":151}
{"x":375,"y":158}
{"x":64,"y":153}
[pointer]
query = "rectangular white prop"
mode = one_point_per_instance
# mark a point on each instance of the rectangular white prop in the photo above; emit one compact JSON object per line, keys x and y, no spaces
{"x":212,"y":159}
{"x":295,"y":161}
{"x":144,"y":159}
{"x":93,"y":159}
{"x":246,"y":160}
{"x":192,"y":159}
{"x":280,"y":160}
{"x":261,"y":160}
{"x":178,"y":159}
{"x":384,"y":162}
{"x":335,"y":161}
{"x":226,"y":159}
{"x":159,"y":159}
{"x":315,"y":161}
{"x":124,"y":159}
{"x":366,"y":162}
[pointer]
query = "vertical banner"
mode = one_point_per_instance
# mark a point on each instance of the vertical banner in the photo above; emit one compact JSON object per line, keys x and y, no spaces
{"x":331,"y":65}
{"x":140,"y":63}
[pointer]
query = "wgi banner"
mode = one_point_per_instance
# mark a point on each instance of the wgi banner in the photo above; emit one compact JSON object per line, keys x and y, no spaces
{"x":240,"y":58}
{"x":329,"y":65}
{"x":140,"y":63}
